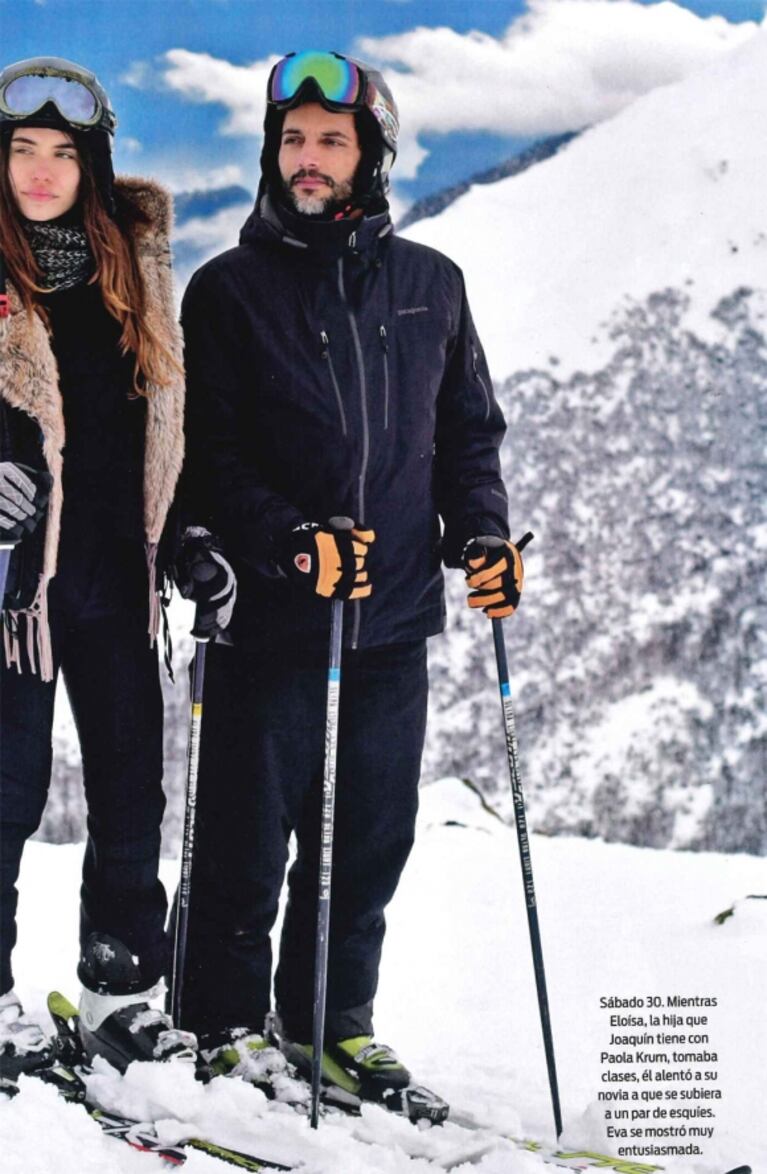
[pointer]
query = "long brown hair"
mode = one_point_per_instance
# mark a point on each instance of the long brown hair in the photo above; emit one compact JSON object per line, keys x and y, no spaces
{"x":112,"y":243}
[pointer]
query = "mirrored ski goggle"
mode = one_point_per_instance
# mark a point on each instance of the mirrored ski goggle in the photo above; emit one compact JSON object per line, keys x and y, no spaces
{"x":25,"y":95}
{"x":340,"y":81}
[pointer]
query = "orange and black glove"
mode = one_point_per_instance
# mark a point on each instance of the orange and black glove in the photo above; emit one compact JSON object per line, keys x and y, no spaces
{"x":495,"y":574}
{"x":328,"y":559}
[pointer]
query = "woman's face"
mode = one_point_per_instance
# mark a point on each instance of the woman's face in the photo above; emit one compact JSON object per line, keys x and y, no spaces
{"x":44,"y":169}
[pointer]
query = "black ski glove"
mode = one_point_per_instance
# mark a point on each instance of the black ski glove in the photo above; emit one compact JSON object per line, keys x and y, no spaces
{"x":495,"y":573}
{"x":204,"y":576}
{"x":328,"y":560}
{"x":24,"y":494}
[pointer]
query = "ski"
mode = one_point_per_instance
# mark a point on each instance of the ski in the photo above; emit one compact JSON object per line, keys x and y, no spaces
{"x":568,"y":1159}
{"x":69,"y":1085}
{"x":67,"y":1074}
{"x":416,"y":1103}
{"x":143,"y":1137}
{"x":140,"y":1135}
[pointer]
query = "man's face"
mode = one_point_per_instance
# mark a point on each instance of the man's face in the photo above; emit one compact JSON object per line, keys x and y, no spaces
{"x":319,"y":154}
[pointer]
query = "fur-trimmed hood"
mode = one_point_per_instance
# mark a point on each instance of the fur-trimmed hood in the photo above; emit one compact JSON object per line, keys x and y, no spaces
{"x":29,"y":378}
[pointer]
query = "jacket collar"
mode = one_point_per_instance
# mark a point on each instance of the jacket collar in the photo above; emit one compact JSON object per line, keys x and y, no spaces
{"x":323,"y":240}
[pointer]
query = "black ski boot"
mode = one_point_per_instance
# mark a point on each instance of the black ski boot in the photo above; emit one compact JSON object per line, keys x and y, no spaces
{"x":116,"y":1020}
{"x":359,"y":1066}
{"x":377,"y":1066}
{"x":384,"y":1078}
{"x":358,"y":1069}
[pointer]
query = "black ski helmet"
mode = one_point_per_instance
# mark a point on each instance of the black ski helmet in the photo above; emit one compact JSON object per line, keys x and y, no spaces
{"x":53,"y":92}
{"x":340,"y":84}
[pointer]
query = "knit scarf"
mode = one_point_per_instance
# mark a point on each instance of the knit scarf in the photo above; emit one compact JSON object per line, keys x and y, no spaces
{"x":61,"y":251}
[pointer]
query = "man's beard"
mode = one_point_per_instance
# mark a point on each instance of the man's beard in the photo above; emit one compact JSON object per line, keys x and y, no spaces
{"x":317,"y":205}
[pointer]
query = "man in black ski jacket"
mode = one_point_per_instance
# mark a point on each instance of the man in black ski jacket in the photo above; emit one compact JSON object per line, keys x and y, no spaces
{"x":334,"y":370}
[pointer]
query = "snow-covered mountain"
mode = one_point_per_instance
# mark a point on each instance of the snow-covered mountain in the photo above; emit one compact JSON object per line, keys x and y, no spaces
{"x":621,"y":291}
{"x":436,"y":202}
{"x":669,"y":193}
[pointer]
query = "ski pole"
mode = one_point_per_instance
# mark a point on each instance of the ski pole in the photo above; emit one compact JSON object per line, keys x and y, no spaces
{"x":326,"y":840}
{"x":190,"y":808}
{"x":5,"y":558}
{"x":523,"y":840}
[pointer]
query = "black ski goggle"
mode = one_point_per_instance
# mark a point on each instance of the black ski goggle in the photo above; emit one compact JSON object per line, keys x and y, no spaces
{"x":340,"y":82}
{"x":75,"y":101}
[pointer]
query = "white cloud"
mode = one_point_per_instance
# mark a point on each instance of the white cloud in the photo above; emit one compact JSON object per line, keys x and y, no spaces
{"x":184,"y":174}
{"x":138,"y":74}
{"x":212,"y":234}
{"x":204,"y":237}
{"x":562,"y":65}
{"x":398,"y":203}
{"x":239,"y":88}
{"x":190,"y":177}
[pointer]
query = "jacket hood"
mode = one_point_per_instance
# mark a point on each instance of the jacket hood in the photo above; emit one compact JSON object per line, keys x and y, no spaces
{"x":155,"y":203}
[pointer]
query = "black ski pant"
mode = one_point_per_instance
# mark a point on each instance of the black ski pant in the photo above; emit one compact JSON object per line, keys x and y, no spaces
{"x":112,"y":679}
{"x":261,"y":770}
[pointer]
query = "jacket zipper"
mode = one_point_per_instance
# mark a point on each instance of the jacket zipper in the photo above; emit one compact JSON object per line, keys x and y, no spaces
{"x":365,"y":429}
{"x":385,"y":345}
{"x":481,"y":382}
{"x":325,"y":352}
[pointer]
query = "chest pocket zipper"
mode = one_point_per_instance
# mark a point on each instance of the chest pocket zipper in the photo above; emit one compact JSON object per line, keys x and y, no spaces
{"x":385,"y":348}
{"x":326,"y":355}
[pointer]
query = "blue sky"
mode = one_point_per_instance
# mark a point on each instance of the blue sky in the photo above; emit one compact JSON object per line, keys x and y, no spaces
{"x":174,"y":125}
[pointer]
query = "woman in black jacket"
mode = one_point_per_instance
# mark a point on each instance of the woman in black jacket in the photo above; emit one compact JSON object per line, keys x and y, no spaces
{"x":92,"y":395}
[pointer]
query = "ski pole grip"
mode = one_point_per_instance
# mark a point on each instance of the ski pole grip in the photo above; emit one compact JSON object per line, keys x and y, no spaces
{"x":202,"y":571}
{"x":340,"y":523}
{"x":198,"y":633}
{"x":492,"y":540}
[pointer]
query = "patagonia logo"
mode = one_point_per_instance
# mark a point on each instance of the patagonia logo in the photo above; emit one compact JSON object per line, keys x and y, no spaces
{"x":414,"y":310}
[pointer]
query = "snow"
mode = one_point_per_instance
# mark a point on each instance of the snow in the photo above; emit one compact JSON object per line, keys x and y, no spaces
{"x":457,"y":999}
{"x":667,"y":194}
